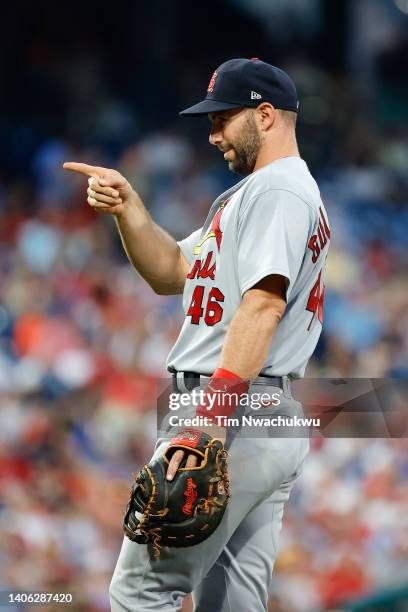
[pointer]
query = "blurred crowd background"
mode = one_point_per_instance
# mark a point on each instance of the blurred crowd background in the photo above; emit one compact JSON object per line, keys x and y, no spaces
{"x":83,"y":339}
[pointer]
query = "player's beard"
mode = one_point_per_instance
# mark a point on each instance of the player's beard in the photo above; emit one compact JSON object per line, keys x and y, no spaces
{"x":246,"y":148}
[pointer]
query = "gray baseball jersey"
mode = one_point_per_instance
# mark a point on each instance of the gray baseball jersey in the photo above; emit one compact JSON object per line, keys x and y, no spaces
{"x":271,"y":222}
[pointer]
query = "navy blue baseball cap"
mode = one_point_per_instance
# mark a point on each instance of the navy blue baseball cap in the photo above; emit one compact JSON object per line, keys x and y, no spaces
{"x":240,"y":83}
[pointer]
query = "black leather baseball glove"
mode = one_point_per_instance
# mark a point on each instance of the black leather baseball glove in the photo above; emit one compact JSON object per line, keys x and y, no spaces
{"x":186,"y":510}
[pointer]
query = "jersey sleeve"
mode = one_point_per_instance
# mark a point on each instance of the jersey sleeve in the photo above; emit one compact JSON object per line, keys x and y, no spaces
{"x":273,"y":232}
{"x":187,"y":244}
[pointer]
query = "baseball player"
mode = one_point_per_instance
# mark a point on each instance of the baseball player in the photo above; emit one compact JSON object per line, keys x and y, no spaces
{"x":252,"y":279}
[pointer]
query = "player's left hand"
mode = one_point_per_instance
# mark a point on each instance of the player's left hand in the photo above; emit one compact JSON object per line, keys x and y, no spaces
{"x":177,"y":458}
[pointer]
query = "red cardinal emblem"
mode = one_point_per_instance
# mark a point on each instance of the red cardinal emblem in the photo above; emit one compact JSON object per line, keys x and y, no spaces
{"x":215,"y":224}
{"x":214,"y":229}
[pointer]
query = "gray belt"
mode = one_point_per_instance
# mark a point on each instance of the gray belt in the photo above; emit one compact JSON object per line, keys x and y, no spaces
{"x":184,"y":382}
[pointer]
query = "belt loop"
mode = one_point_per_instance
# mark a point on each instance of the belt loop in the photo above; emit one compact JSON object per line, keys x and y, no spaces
{"x":181,"y":385}
{"x":286,"y":387}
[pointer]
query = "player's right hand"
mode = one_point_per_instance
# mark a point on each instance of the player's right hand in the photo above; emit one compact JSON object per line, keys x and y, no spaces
{"x":108,"y":191}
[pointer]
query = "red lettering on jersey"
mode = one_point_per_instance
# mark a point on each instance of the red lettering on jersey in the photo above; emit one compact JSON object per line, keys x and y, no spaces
{"x":314,"y":247}
{"x":319,"y":240}
{"x":324,"y":221}
{"x":322,"y":236}
{"x":204,"y":269}
{"x":315,"y":301}
{"x":213,"y":308}
{"x":194,"y":270}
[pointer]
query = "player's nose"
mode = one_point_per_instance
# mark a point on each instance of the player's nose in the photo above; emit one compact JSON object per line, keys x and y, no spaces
{"x":215,"y":137}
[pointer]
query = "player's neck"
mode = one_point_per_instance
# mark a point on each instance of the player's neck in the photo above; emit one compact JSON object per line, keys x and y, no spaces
{"x":270,"y":152}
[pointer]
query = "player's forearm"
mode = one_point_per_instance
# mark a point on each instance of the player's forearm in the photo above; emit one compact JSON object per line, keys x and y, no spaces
{"x":249,"y":336}
{"x":151,"y":250}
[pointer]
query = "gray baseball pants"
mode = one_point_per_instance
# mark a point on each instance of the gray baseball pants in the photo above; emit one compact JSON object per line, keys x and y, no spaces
{"x":232,"y":569}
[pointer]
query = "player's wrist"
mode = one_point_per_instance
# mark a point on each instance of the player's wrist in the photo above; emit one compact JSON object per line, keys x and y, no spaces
{"x":129,"y":213}
{"x":224,"y":373}
{"x":222,"y":396}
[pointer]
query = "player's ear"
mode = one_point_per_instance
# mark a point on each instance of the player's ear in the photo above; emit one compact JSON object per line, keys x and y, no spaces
{"x":266,"y":114}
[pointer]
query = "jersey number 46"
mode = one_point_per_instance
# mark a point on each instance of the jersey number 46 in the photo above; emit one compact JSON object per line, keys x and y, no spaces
{"x":315,"y":301}
{"x":213,"y":309}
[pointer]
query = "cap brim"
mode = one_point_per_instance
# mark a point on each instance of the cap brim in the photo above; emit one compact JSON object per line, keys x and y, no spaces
{"x":208,"y":106}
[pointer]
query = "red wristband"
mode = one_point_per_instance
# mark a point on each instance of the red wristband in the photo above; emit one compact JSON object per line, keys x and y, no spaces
{"x":222,"y":394}
{"x":221,"y":373}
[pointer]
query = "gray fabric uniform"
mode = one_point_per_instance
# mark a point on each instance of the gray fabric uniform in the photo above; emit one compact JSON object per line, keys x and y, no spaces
{"x":266,"y":226}
{"x":272,"y":222}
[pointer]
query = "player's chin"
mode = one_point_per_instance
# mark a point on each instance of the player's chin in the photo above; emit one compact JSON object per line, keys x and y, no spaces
{"x":237,"y":167}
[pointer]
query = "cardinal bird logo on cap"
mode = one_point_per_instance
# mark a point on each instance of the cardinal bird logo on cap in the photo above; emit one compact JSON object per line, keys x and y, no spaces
{"x":211,"y":84}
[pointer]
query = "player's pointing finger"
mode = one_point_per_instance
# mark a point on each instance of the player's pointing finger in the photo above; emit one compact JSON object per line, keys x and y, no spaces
{"x":105,"y":177}
{"x":83,"y":169}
